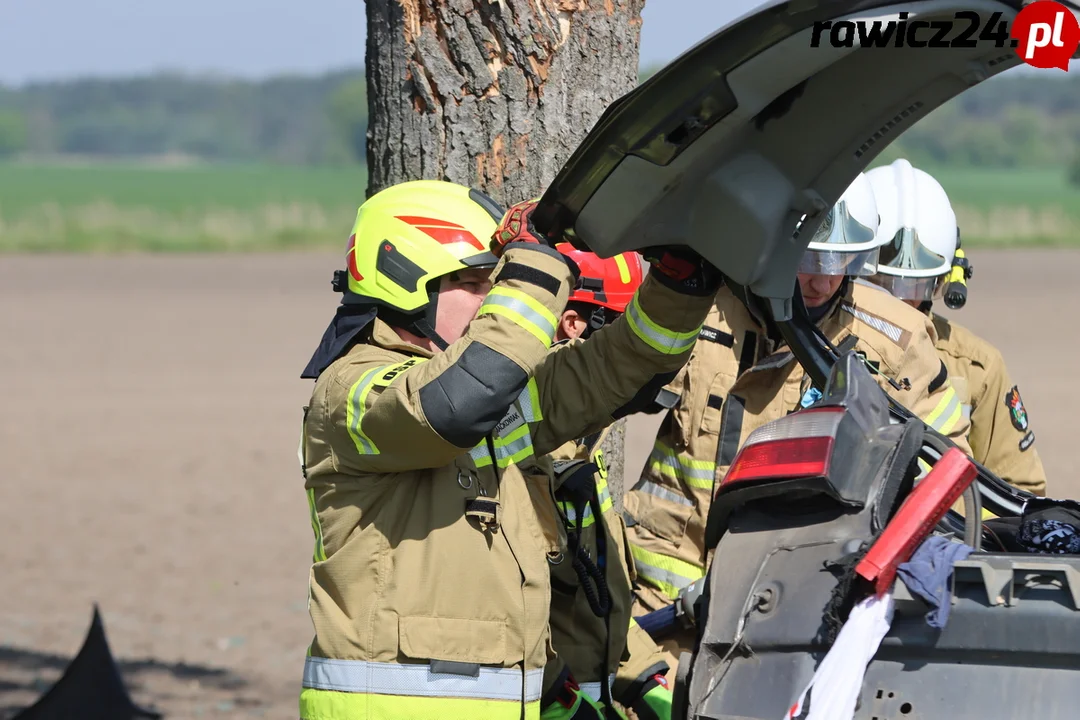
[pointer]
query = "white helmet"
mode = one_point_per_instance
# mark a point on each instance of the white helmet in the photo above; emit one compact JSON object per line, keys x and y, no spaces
{"x":846,"y":243}
{"x":918,"y":230}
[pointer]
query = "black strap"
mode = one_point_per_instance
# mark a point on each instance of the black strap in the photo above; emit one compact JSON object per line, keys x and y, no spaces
{"x":746,"y":358}
{"x":939,"y":380}
{"x":730,"y":430}
{"x":428,"y":331}
{"x":717,"y":336}
{"x":525,"y":273}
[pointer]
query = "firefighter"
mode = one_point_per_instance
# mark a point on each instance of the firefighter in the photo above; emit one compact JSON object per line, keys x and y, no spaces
{"x":739,"y":379}
{"x":591,"y":626}
{"x":437,"y":397}
{"x":921,"y":261}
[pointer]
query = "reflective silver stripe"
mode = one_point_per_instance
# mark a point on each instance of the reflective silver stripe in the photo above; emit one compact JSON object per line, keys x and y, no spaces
{"x":530,"y":411}
{"x":518,"y":306}
{"x":966,"y":409}
{"x":664,"y":340}
{"x":602,"y":492}
{"x":887,"y":329}
{"x":480,"y":454}
{"x":658,"y":575}
{"x":681,"y":470}
{"x":357,"y":397}
{"x":505,"y":451}
{"x":941,"y":420}
{"x":481,"y":457}
{"x":362,"y":676}
{"x":571,"y":513}
{"x":593,"y":689}
{"x":657,"y":491}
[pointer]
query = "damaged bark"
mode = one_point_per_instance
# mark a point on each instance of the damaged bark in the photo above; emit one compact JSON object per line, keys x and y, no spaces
{"x":494,"y":94}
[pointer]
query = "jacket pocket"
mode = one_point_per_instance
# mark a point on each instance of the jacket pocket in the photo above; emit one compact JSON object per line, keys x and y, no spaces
{"x":452,"y":639}
{"x":665,"y":520}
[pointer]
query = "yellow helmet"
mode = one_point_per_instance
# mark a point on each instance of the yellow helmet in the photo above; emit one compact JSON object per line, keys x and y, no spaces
{"x":410,"y":234}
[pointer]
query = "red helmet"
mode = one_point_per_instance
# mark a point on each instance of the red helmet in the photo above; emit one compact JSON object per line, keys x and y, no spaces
{"x":607,"y":282}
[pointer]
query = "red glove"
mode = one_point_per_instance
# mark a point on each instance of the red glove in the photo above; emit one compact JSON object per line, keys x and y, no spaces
{"x":517,"y":226}
{"x":683,"y":270}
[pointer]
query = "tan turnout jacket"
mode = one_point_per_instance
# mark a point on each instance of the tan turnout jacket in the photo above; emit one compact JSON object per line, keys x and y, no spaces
{"x":430,"y":590}
{"x":733,"y":384}
{"x":1001,"y":437}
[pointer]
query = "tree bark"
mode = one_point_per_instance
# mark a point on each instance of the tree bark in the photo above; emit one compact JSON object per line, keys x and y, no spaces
{"x":495,"y":95}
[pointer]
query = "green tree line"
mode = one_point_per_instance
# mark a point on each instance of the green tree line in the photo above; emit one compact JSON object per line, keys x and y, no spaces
{"x":1011,"y":121}
{"x":295,"y":120}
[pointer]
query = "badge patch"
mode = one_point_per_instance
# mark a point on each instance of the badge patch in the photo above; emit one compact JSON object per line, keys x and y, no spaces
{"x":1017,"y":411}
{"x":1027,"y":441}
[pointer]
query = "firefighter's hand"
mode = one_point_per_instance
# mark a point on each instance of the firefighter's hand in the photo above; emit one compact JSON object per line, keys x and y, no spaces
{"x":654,"y":703}
{"x":683,"y":270}
{"x":517,"y":226}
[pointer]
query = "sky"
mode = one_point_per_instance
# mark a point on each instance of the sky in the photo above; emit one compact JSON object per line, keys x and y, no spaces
{"x":53,"y":39}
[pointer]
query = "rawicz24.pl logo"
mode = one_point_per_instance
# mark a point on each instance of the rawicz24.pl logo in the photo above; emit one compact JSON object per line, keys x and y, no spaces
{"x":1045,"y":34}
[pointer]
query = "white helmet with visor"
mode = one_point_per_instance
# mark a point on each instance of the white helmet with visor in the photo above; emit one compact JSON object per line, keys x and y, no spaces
{"x":918,"y":232}
{"x":846,"y":243}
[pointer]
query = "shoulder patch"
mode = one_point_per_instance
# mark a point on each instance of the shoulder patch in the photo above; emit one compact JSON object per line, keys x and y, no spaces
{"x":392,"y":373}
{"x":1017,"y":411}
{"x":890,"y":330}
{"x":1028,"y":441}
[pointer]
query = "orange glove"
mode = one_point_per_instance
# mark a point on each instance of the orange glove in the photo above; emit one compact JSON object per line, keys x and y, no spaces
{"x":517,"y":226}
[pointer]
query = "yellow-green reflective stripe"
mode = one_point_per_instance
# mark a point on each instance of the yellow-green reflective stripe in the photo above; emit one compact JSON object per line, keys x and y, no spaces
{"x":668,"y":574}
{"x":529,"y":402}
{"x":698,"y":474}
{"x":659,"y":491}
{"x":382,"y":678}
{"x":624,"y":269}
{"x":316,"y":526}
{"x":587,"y":517}
{"x":354,"y":412}
{"x":656,"y":337}
{"x":602,"y":492}
{"x":333,"y":705}
{"x":513,"y":448}
{"x":523,"y":310}
{"x":947,"y":412}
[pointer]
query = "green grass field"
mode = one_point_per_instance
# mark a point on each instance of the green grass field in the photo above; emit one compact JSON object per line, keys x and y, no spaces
{"x":115,"y":208}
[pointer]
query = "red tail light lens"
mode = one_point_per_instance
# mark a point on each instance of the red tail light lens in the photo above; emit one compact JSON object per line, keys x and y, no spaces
{"x":799,"y":445}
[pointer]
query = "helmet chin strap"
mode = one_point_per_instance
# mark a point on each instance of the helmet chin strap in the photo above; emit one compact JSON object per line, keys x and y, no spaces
{"x":425,"y":324}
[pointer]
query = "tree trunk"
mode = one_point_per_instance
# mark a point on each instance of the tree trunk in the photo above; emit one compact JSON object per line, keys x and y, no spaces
{"x":494,"y":94}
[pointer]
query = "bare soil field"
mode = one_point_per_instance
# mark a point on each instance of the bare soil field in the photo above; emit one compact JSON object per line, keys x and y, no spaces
{"x":152,"y":407}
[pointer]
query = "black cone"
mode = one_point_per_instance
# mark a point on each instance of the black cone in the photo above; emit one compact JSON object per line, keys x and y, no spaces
{"x":90,"y":688}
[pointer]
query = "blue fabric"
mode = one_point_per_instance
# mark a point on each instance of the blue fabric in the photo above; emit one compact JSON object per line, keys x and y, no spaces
{"x":927,"y":575}
{"x":658,"y":622}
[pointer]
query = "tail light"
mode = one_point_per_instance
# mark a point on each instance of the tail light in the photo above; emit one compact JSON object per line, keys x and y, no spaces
{"x":798,"y":446}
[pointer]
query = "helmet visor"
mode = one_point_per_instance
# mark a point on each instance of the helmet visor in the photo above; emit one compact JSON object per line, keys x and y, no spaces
{"x":841,"y":228}
{"x":920,"y":289}
{"x":823,"y":262}
{"x":905,"y":252}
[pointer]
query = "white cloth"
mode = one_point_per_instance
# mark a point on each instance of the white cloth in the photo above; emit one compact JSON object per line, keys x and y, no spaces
{"x":834,"y":689}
